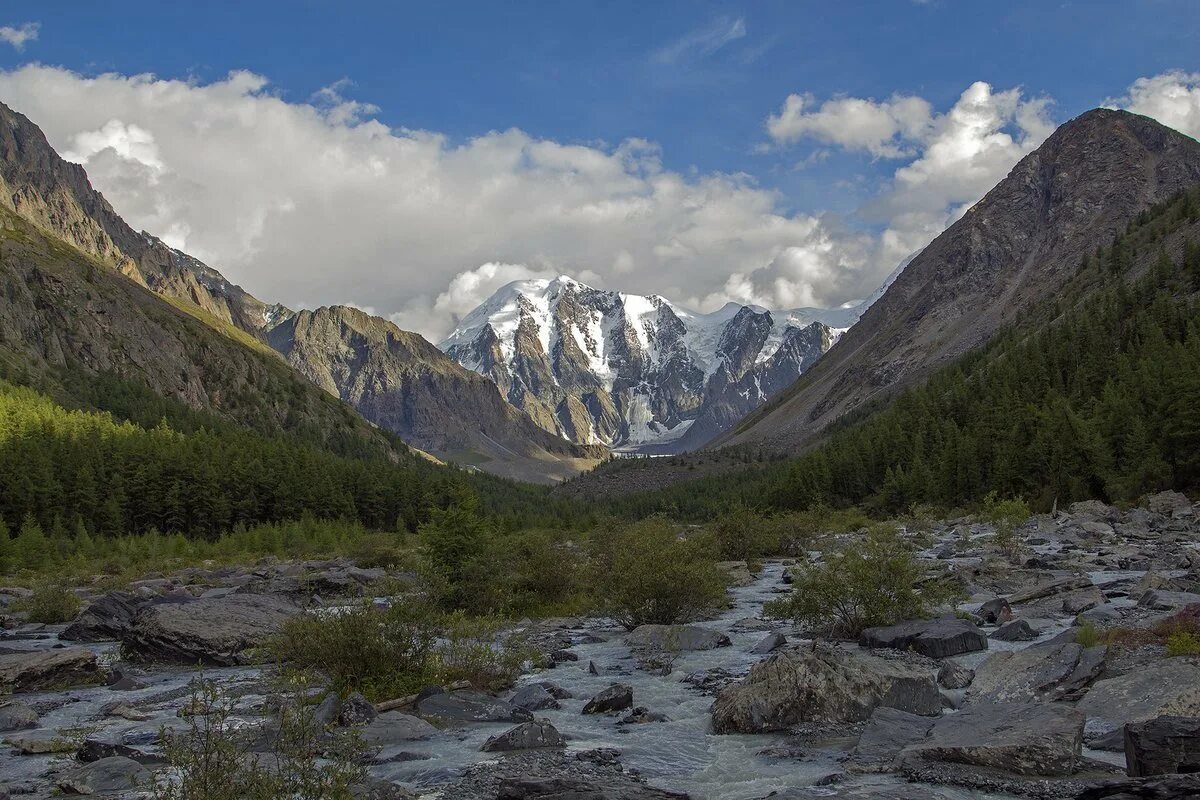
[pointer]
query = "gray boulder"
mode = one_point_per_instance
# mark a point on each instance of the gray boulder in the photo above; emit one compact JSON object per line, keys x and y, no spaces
{"x":1058,"y":669}
{"x":769,"y":644}
{"x":995,"y":611}
{"x":1160,"y":787}
{"x":1170,"y":687}
{"x":16,"y":716}
{"x":617,"y":697}
{"x":1159,"y":600}
{"x":534,"y":697}
{"x":469,"y":706}
{"x":217,"y":631}
{"x":953,"y":675}
{"x":59,"y":668}
{"x":393,"y":727}
{"x":936,"y":638}
{"x":675,"y":638}
{"x":1016,"y":631}
{"x":1162,"y":745}
{"x":106,"y":619}
{"x":111,"y":775}
{"x":1021,"y":738}
{"x":535,"y":735}
{"x":827,"y":684}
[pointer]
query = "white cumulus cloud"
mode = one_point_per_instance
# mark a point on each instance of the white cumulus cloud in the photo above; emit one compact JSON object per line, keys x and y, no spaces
{"x":1172,"y":98}
{"x":21,"y":34}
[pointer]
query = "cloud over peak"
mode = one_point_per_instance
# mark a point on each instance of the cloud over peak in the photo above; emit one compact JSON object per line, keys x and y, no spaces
{"x":21,"y":34}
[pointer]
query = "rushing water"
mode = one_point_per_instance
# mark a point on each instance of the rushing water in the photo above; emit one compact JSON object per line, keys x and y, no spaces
{"x":680,"y":754}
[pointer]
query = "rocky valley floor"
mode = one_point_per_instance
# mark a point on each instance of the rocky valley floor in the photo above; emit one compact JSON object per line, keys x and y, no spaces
{"x":1050,"y":677}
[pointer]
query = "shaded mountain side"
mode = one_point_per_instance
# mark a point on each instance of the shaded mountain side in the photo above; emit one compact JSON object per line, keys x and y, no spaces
{"x":65,"y":316}
{"x":56,"y":197}
{"x":403,"y":383}
{"x":1016,"y":246}
{"x":1091,"y":394}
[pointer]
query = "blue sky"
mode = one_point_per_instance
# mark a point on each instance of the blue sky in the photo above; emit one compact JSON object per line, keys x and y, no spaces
{"x":698,"y":80}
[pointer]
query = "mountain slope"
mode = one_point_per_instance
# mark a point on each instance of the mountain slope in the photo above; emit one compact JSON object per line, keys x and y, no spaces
{"x":403,"y":383}
{"x":56,"y":197}
{"x":1017,"y":245}
{"x":68,"y":320}
{"x":632,"y":372}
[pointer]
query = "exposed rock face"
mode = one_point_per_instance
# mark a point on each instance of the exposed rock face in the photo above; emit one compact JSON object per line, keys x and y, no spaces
{"x":1021,"y":738}
{"x":402,"y":383}
{"x":823,"y":685}
{"x":887,"y":733}
{"x":936,"y":638}
{"x":469,"y":706}
{"x":393,"y":727}
{"x":41,"y":670}
{"x":106,"y":776}
{"x":1018,"y":244}
{"x":1163,"y":745}
{"x":635,"y":372}
{"x":216,"y":631}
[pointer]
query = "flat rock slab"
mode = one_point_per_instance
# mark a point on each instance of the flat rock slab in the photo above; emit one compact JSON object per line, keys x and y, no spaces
{"x":534,"y":697}
{"x":526,"y":736}
{"x":1020,"y":738}
{"x":40,"y":742}
{"x":887,"y":733}
{"x":217,"y":631}
{"x":40,"y":670}
{"x":936,"y":638}
{"x":1161,"y":787}
{"x":106,"y":619}
{"x":675,"y":638}
{"x":393,"y":727}
{"x":561,"y":788}
{"x":1159,"y":600}
{"x":1170,"y":687}
{"x":111,"y":775}
{"x":469,"y":706}
{"x":828,"y":684}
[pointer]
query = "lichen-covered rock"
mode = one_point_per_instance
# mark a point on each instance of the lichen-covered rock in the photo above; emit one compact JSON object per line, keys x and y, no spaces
{"x":49,"y":669}
{"x":216,"y":631}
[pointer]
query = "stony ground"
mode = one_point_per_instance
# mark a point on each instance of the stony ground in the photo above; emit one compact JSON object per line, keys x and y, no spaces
{"x":1052,"y":681}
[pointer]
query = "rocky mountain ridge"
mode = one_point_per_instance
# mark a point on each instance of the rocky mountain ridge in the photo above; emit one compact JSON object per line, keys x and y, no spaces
{"x":1015,"y":247}
{"x":637,"y":373}
{"x":431,"y":402}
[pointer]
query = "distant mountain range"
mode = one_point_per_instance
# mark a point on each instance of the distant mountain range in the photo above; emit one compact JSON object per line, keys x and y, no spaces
{"x":637,"y":373}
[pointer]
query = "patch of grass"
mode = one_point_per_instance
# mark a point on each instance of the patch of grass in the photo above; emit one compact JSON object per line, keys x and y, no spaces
{"x":1179,"y":633}
{"x":1086,"y":635}
{"x":1183,"y":644}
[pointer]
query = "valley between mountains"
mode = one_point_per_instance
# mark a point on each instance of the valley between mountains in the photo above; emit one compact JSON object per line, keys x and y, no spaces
{"x":939,"y":544}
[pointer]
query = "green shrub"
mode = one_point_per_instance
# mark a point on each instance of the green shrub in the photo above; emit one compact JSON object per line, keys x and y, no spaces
{"x":743,"y":534}
{"x":51,"y":604}
{"x":645,"y":573}
{"x":396,"y":651}
{"x":876,"y":581}
{"x":1006,"y":516}
{"x":213,"y":759}
{"x":1086,"y":635}
{"x":1183,"y":643}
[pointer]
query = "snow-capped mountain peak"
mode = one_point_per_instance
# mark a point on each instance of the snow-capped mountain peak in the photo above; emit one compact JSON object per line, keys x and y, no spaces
{"x":636,"y":371}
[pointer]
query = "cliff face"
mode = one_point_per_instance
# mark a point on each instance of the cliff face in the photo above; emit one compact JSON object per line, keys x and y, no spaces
{"x":1018,"y":244}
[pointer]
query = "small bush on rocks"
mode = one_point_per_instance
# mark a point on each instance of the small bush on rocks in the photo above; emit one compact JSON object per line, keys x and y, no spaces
{"x":1183,"y":644}
{"x":213,"y":758}
{"x":51,"y":604}
{"x":396,"y":651}
{"x":646,"y":573}
{"x":876,"y":581}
